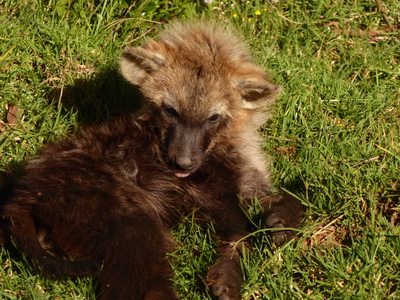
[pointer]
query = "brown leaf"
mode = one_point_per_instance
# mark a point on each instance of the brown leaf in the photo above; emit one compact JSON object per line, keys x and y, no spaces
{"x":337,"y":29}
{"x":13,"y":114}
{"x":286,"y":150}
{"x":325,"y":236}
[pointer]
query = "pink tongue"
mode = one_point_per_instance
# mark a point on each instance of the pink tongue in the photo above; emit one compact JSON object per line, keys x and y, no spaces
{"x":182,"y":174}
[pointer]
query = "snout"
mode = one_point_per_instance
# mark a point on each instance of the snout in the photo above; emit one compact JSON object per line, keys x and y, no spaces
{"x":186,"y":150}
{"x":183,"y":165}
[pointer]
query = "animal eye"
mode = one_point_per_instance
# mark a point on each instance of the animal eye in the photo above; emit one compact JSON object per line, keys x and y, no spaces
{"x":214,"y":118}
{"x":169,"y":110}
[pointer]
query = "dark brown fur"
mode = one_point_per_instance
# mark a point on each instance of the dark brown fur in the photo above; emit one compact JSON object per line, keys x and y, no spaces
{"x":107,"y":197}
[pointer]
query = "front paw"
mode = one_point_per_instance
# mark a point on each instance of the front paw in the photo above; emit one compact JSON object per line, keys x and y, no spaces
{"x":225,"y":279}
{"x":283,"y":212}
{"x":278,"y":236}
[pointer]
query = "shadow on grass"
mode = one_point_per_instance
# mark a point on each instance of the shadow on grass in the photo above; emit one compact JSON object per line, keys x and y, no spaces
{"x":103,"y":96}
{"x":97,"y":99}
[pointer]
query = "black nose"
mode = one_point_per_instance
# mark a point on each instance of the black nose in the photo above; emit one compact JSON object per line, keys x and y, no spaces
{"x":185,"y":163}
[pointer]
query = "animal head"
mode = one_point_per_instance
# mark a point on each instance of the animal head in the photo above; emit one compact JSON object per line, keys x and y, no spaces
{"x":200,"y":87}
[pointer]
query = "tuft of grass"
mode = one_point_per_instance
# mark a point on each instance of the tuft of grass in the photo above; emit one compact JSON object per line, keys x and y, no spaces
{"x":334,"y":137}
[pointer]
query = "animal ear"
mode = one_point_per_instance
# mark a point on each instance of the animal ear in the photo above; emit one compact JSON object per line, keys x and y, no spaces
{"x":139,"y":62}
{"x":257,"y":92}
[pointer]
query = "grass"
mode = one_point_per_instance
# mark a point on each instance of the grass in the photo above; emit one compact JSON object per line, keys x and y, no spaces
{"x":334,"y":137}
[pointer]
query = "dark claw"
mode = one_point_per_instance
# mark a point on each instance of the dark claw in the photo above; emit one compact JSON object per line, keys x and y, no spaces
{"x":271,"y":221}
{"x":278,"y":225}
{"x":224,"y":297}
{"x":218,"y":290}
{"x":278,"y":237}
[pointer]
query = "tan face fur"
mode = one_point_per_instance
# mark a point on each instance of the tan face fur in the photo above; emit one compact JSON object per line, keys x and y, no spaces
{"x":200,"y":87}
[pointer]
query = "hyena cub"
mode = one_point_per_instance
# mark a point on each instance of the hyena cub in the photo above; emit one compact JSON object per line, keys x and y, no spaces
{"x":102,"y":202}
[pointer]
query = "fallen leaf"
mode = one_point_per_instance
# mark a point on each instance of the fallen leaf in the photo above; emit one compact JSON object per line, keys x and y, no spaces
{"x":286,"y":150}
{"x":13,"y":114}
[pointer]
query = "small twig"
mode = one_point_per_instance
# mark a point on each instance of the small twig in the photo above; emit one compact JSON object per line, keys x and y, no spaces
{"x":328,"y":225}
{"x":12,"y":292}
{"x":144,"y":33}
{"x":119,"y":21}
{"x":366,"y":161}
{"x":61,"y":95}
{"x":236,"y":244}
{"x":293,"y":139}
{"x":283,"y":17}
{"x":287,"y":19}
{"x":382,"y":10}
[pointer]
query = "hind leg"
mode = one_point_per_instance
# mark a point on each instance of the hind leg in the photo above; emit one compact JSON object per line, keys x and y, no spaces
{"x":135,"y":265}
{"x":282,"y":212}
{"x":225,"y":277}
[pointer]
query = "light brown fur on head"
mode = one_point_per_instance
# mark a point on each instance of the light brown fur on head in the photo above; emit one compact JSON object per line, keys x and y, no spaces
{"x":200,"y":70}
{"x":198,"y":67}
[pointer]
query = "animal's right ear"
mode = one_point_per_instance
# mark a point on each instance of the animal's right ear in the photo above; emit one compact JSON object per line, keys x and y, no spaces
{"x":139,"y":62}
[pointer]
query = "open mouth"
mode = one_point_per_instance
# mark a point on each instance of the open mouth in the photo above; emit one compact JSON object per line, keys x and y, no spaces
{"x":181,"y":174}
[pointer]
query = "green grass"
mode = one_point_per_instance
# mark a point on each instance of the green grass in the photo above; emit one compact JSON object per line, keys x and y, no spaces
{"x":334,"y":137}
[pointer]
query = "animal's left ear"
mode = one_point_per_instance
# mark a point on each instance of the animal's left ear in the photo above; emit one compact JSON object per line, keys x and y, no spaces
{"x":257,"y":92}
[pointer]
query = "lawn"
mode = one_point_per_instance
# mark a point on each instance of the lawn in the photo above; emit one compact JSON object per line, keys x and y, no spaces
{"x":334,"y":139}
